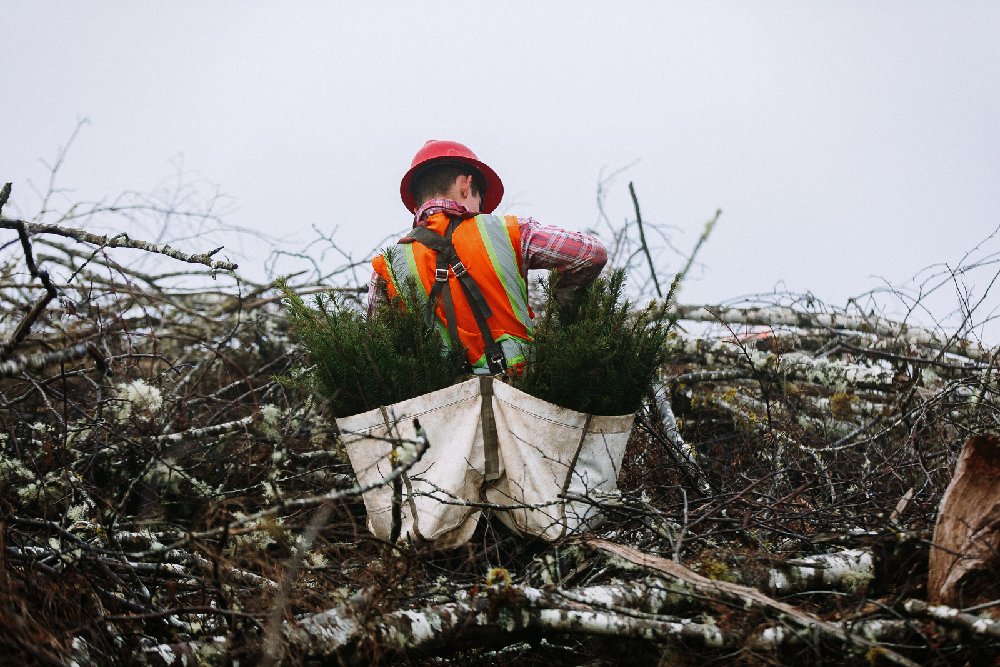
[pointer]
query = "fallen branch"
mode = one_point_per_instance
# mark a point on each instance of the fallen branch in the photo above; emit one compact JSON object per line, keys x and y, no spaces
{"x":848,"y":570}
{"x":779,"y":316}
{"x":745,"y":596}
{"x":35,"y":362}
{"x":976,"y":625}
{"x":120,"y":241}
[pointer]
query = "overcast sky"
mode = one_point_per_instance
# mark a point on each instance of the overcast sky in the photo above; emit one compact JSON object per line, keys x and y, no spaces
{"x":842,"y":140}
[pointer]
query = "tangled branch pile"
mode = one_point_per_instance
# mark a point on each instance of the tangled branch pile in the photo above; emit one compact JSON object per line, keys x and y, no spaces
{"x":162,"y":495}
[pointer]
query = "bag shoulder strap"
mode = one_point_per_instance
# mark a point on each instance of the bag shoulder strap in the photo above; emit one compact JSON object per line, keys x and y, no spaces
{"x":447,"y":258}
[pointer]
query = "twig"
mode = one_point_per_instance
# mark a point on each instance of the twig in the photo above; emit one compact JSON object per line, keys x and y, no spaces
{"x":642,"y":240}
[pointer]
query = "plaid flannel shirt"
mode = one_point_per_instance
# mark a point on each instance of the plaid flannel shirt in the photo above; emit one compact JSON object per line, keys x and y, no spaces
{"x":578,"y":257}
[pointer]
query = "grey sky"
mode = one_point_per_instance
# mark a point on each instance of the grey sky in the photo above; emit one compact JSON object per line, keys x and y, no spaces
{"x":841,"y":139}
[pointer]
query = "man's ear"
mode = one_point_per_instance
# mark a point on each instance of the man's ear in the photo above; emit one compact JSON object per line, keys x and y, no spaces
{"x":464,"y":184}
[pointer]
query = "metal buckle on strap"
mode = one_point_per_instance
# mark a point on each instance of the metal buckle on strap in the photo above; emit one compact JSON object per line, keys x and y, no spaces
{"x":500,"y":361}
{"x":441,"y":275}
{"x":459,"y":269}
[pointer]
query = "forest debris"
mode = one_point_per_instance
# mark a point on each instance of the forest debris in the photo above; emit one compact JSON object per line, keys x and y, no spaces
{"x":183,"y":563}
{"x":35,"y":362}
{"x":495,"y":616}
{"x":787,"y":317}
{"x":791,"y":365}
{"x":120,"y":241}
{"x":901,"y":506}
{"x":747,"y":596}
{"x":978,"y":626}
{"x":849,"y":570}
{"x":967,"y":533}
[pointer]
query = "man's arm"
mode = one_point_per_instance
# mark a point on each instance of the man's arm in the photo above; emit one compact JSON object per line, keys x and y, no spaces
{"x":578,"y":257}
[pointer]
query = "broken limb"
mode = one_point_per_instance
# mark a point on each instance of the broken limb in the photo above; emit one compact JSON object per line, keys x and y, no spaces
{"x":746,"y":596}
{"x":120,"y":241}
{"x":978,"y":626}
{"x":849,"y":570}
{"x":35,"y":362}
{"x":779,"y":316}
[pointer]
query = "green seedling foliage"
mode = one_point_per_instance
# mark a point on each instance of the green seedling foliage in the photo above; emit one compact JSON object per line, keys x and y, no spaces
{"x":361,"y":362}
{"x":595,"y":354}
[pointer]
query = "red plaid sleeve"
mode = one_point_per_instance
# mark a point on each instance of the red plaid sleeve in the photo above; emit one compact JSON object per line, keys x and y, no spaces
{"x":577,"y":256}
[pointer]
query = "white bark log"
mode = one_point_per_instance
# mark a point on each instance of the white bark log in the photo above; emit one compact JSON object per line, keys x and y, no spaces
{"x":498,"y":615}
{"x":748,"y":597}
{"x":849,"y":570}
{"x":988,"y":628}
{"x":791,"y":366}
{"x":779,"y":316}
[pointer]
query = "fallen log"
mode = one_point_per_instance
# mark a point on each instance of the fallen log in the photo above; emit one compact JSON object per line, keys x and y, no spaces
{"x":967,"y":532}
{"x":975,"y":625}
{"x":849,"y":570}
{"x":884,"y":328}
{"x":748,"y":597}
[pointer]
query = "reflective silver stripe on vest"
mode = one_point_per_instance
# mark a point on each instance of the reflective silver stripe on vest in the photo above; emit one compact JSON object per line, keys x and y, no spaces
{"x":404,"y":266}
{"x":501,"y":251}
{"x":401,"y":269}
{"x":513,"y":351}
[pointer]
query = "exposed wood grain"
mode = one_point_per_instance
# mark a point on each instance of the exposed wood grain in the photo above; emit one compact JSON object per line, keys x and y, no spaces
{"x":967,"y":532}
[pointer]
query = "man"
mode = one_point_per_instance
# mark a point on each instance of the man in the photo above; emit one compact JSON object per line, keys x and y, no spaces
{"x":472,"y":266}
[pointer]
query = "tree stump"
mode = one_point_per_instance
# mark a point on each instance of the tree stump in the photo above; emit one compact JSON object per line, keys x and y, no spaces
{"x":964,"y":561}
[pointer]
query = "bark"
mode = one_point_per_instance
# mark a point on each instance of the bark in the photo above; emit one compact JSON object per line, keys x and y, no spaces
{"x":36,"y":362}
{"x":748,"y":597}
{"x":779,"y":316}
{"x":120,"y":241}
{"x":849,"y":570}
{"x":789,"y":366}
{"x":967,"y":533}
{"x":501,"y":615}
{"x":685,"y":453}
{"x":977,"y":626}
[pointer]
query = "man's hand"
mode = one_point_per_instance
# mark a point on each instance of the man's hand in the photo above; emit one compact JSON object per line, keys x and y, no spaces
{"x":564,"y":295}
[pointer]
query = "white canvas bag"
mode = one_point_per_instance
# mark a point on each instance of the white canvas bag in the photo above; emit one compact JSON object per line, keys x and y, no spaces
{"x":543,"y":450}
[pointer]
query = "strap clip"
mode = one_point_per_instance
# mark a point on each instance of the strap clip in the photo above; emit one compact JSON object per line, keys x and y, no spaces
{"x":500,"y":361}
{"x":459,"y":269}
{"x":441,"y":275}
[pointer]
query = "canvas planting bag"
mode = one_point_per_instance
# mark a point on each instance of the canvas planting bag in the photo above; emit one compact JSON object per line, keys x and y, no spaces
{"x":539,"y":451}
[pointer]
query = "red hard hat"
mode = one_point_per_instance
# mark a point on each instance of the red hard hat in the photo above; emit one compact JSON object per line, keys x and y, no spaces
{"x":450,"y":151}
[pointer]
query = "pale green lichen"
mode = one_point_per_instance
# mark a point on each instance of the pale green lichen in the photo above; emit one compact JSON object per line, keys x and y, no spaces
{"x":261,"y":533}
{"x":856,"y":580}
{"x":168,"y":478}
{"x":138,"y":399}
{"x":12,"y":469}
{"x":270,"y":414}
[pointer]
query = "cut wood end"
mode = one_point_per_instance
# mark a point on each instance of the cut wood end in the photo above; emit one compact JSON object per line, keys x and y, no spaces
{"x":967,"y":532}
{"x":982,"y":455}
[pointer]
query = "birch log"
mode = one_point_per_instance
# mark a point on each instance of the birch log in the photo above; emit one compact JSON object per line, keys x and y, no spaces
{"x":849,"y":570}
{"x":779,"y":316}
{"x":747,"y":597}
{"x":967,"y":533}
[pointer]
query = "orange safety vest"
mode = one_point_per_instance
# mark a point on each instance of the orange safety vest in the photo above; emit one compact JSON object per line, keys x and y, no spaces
{"x":489,"y":247}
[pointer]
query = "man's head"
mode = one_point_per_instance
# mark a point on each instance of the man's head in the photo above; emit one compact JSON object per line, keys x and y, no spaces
{"x":447,"y":169}
{"x":450,"y":180}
